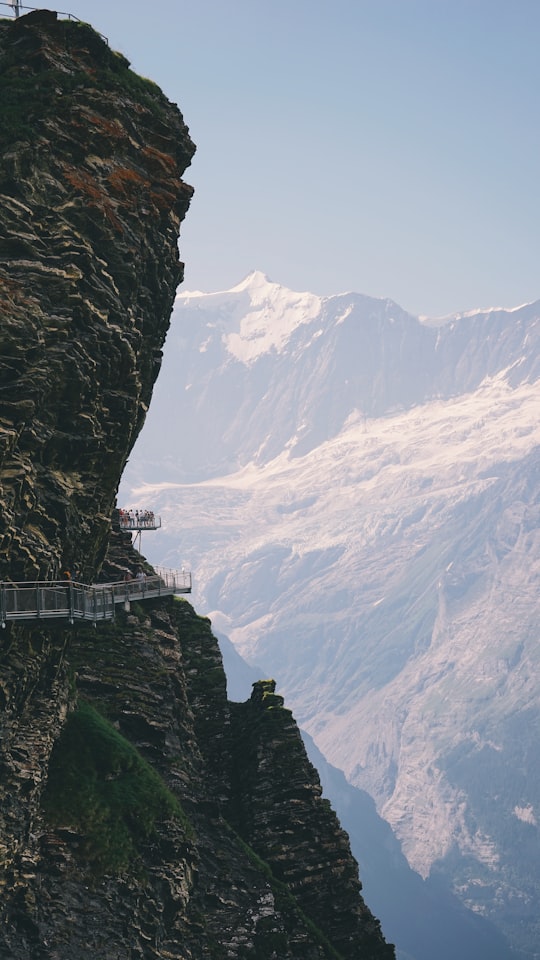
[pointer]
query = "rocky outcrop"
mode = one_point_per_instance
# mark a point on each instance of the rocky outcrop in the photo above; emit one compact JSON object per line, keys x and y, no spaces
{"x":135,"y":821}
{"x":173,"y":823}
{"x":277,"y":807}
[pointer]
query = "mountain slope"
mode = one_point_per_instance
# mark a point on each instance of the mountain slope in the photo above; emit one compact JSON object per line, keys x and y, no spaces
{"x":357,"y":492}
{"x":280,"y":370}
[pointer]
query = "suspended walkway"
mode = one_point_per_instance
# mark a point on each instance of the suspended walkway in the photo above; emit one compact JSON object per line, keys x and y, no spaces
{"x":136,"y":521}
{"x":72,"y":601}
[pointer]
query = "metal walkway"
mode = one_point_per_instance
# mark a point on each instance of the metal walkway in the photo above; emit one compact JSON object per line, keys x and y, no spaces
{"x":65,"y":600}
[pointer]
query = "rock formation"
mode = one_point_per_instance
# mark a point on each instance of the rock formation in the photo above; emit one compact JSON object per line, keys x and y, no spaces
{"x":141,"y":814}
{"x":92,"y":199}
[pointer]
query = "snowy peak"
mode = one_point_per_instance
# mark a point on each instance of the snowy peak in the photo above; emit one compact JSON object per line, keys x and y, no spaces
{"x":273,"y":315}
{"x":255,"y":280}
{"x":270,"y":369}
{"x":256,"y":316}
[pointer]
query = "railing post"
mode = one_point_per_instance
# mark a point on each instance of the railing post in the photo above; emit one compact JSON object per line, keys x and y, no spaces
{"x":71,"y":603}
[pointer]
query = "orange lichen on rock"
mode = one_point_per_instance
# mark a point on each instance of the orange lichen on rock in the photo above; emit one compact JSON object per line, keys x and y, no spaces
{"x":127,"y":181}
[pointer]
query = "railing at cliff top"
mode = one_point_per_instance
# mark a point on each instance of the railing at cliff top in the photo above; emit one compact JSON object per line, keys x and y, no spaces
{"x":17,"y":7}
{"x":72,"y":601}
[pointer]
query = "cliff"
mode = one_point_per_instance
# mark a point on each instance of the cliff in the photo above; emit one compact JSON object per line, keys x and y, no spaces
{"x":142,"y":815}
{"x":92,"y":200}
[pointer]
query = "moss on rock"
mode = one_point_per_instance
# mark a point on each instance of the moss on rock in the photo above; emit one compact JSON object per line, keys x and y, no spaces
{"x":100,"y":786}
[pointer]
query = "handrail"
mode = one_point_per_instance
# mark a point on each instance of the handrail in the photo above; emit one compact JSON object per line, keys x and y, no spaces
{"x":16,"y":7}
{"x":178,"y":580}
{"x":70,"y":600}
{"x":56,"y":599}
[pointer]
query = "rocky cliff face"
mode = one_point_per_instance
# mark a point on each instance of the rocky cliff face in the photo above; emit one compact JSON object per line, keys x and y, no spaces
{"x":164,"y":821}
{"x":92,"y":198}
{"x":91,"y":201}
{"x":141,"y":814}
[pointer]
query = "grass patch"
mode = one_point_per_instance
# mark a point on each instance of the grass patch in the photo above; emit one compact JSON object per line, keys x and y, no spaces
{"x":100,"y":786}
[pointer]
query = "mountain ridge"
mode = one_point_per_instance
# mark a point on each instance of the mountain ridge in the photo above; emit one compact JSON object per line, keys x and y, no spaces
{"x":338,"y":343}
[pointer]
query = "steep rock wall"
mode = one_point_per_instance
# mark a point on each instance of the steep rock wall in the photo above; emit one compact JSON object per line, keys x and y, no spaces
{"x":91,"y":200}
{"x":91,"y":160}
{"x":277,"y":807}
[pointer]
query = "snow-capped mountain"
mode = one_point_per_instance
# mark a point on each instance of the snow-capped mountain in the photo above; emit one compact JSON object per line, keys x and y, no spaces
{"x":356,"y":491}
{"x":264,"y":370}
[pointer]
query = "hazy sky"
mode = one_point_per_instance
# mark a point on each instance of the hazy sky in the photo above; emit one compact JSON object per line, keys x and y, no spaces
{"x":391,"y":147}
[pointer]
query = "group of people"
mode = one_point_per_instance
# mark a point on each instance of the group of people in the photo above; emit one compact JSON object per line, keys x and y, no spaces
{"x":140,"y":576}
{"x":137,"y":518}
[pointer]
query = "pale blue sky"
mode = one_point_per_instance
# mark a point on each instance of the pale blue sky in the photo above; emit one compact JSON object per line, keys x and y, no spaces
{"x":391,"y":147}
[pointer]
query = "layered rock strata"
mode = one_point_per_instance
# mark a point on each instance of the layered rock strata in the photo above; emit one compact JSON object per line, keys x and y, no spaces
{"x":91,"y":161}
{"x":257,"y":865}
{"x":91,"y":199}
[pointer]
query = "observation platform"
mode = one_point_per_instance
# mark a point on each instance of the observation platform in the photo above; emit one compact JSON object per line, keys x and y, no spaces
{"x":138,"y":520}
{"x":72,"y":601}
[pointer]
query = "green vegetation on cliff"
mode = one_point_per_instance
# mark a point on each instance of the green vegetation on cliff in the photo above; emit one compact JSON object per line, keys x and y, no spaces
{"x":99,"y":785}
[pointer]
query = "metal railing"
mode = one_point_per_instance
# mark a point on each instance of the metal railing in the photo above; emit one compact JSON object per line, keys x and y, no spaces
{"x":17,"y":7}
{"x":163,"y":584}
{"x":57,"y":600}
{"x":67,"y":600}
{"x":178,"y":580}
